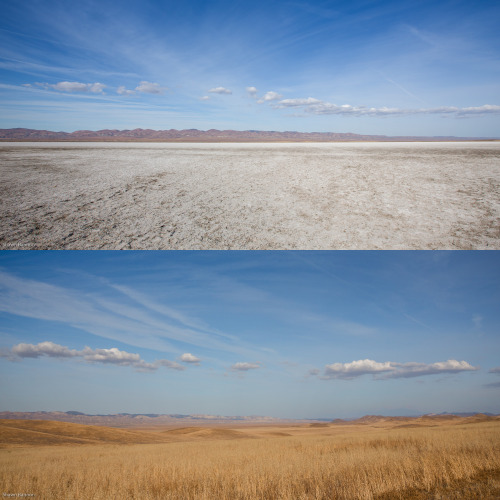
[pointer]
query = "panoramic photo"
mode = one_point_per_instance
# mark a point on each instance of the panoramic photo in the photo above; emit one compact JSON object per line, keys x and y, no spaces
{"x":250,"y":250}
{"x":235,"y":125}
{"x":250,"y":375}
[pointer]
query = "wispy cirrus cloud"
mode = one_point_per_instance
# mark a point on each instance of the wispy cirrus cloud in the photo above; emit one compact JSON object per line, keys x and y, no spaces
{"x":390,"y":369}
{"x":21,"y":65}
{"x":111,"y":356}
{"x":477,"y":319}
{"x":130,"y":317}
{"x":175,"y":315}
{"x":311,"y":105}
{"x":494,"y":385}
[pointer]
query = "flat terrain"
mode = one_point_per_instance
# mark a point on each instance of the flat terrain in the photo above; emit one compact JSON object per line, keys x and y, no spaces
{"x":372,"y":458}
{"x":250,"y":196}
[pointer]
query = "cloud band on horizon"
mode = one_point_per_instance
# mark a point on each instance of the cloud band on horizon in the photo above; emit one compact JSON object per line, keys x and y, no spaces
{"x":310,"y":105}
{"x":390,"y":369}
{"x":112,"y":356}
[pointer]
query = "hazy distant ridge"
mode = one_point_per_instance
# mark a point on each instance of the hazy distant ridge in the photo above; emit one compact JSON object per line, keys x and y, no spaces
{"x":212,"y":135}
{"x":138,"y":419}
{"x":126,"y":419}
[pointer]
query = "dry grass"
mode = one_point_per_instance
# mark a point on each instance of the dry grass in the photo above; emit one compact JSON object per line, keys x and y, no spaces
{"x":207,"y":433}
{"x":47,"y":432}
{"x":336,"y":462}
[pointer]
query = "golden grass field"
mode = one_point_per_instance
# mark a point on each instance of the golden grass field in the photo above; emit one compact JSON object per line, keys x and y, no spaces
{"x":378,"y":458}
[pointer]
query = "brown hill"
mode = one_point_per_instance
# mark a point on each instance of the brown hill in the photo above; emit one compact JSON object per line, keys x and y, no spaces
{"x":47,"y":432}
{"x":208,"y":433}
{"x":125,"y":420}
{"x":369,"y":419}
{"x":195,"y":135}
{"x":439,"y":418}
{"x":480,"y":417}
{"x":422,"y":421}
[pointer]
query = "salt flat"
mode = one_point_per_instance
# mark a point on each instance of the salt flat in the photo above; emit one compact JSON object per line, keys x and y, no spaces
{"x":250,"y":196}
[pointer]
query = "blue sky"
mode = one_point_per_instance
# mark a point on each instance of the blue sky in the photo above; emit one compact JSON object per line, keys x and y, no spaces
{"x":376,"y":67}
{"x":284,"y":334}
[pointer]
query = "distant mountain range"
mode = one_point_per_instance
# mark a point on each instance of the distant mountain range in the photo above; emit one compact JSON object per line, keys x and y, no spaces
{"x":212,"y":135}
{"x":422,"y":419}
{"x":140,"y":419}
{"x":153,"y":419}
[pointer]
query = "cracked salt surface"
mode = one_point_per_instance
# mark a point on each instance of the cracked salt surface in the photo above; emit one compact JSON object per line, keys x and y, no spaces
{"x":250,"y":196}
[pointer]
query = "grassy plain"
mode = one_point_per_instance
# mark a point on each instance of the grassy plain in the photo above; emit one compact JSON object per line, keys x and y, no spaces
{"x":375,"y":459}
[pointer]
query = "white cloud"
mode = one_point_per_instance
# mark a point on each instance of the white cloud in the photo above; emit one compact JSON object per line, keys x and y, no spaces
{"x":479,"y":110}
{"x":189,"y":358}
{"x":169,"y":364}
{"x":150,"y":88}
{"x":390,"y":369}
{"x":95,"y":88}
{"x":205,"y":98}
{"x":244,"y":367}
{"x":124,"y":91}
{"x":106,"y":356}
{"x":113,"y":356}
{"x":294,"y":103}
{"x":418,"y":369}
{"x":252,"y":91}
{"x":356,"y":368}
{"x":317,"y":107}
{"x":270,"y":96}
{"x":495,"y":370}
{"x":43,"y":349}
{"x":220,"y":90}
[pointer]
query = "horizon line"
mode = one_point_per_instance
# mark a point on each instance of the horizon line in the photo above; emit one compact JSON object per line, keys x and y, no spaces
{"x":120,"y":135}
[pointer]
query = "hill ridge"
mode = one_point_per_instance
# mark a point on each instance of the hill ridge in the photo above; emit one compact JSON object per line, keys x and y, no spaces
{"x":49,"y":432}
{"x":211,"y":135}
{"x":137,"y":419}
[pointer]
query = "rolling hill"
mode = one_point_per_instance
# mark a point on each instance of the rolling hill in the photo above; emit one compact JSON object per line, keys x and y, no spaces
{"x":47,"y":432}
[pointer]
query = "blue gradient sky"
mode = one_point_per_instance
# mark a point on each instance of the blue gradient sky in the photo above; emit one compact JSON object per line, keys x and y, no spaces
{"x":250,"y":333}
{"x":388,"y":67}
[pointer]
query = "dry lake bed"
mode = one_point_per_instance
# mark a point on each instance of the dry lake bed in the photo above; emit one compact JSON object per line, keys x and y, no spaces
{"x":250,"y":196}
